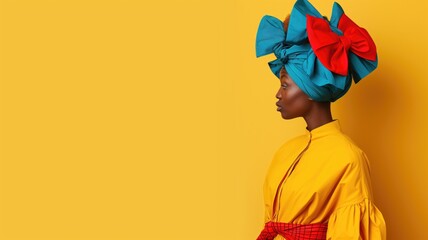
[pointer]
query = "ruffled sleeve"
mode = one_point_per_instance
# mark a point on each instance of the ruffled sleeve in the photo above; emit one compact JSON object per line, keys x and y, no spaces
{"x":357,"y":221}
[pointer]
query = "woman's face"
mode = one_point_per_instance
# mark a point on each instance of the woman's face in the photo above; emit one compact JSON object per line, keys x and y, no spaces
{"x":292,"y":102}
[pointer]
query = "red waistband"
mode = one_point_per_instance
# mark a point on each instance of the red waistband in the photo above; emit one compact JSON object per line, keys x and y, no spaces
{"x":293,"y":231}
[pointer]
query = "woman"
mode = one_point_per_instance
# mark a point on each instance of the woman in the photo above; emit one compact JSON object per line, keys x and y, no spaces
{"x":318,"y":184}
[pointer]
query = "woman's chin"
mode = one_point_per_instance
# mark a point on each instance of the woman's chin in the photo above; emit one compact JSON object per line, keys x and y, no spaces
{"x":286,"y":116}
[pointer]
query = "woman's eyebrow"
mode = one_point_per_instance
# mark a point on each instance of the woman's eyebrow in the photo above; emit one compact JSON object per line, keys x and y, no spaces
{"x":283,"y":76}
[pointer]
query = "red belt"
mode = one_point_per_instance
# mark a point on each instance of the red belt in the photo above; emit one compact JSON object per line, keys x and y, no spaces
{"x":292,"y":231}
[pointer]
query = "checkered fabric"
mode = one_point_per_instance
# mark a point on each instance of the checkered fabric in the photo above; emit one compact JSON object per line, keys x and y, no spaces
{"x":292,"y":231}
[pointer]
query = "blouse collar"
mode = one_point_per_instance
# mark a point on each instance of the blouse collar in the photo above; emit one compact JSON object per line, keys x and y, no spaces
{"x":324,"y":130}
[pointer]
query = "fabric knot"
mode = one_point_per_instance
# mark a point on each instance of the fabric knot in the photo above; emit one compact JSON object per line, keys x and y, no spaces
{"x":293,"y":231}
{"x":346,"y":42}
{"x":281,"y":53}
{"x":270,"y":231}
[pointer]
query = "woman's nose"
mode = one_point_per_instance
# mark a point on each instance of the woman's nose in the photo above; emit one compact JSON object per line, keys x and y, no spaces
{"x":278,"y":94}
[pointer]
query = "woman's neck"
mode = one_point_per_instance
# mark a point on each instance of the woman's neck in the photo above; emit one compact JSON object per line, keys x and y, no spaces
{"x":318,"y":115}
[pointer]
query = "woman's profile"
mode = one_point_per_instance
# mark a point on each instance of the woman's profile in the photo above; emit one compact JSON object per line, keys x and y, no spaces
{"x":318,"y":185}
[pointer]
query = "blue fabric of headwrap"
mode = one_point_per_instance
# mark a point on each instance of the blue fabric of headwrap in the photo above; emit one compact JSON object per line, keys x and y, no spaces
{"x":293,"y":51}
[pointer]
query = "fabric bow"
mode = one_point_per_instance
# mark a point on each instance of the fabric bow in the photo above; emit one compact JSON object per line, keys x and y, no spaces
{"x":332,"y":49}
{"x":270,"y":39}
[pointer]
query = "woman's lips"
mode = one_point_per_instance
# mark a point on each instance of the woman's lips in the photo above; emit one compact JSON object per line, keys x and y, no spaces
{"x":279,"y":107}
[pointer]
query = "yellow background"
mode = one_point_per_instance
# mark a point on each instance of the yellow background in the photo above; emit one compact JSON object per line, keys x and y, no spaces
{"x":154,"y":119}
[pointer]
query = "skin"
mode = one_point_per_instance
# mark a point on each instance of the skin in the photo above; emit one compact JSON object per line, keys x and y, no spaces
{"x":293,"y":103}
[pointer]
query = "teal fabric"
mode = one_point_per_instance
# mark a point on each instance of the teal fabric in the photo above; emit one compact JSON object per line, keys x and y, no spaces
{"x":293,"y":51}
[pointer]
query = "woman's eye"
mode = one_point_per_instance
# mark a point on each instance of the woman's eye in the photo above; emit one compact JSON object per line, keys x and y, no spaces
{"x":284,"y":86}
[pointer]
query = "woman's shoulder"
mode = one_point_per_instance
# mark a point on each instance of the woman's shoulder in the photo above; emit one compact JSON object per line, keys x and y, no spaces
{"x":342,"y":142}
{"x":345,"y":150}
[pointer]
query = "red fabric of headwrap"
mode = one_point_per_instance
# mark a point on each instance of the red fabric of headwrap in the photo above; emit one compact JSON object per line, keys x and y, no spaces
{"x":332,"y":49}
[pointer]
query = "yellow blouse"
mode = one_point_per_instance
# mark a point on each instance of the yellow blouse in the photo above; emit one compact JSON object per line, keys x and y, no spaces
{"x":329,"y":183}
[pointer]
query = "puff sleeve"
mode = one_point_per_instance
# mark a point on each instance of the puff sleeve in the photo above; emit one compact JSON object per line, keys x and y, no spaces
{"x":357,"y":221}
{"x":356,"y":217}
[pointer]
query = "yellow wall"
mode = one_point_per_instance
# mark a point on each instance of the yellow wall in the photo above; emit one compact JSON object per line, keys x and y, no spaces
{"x":154,"y":120}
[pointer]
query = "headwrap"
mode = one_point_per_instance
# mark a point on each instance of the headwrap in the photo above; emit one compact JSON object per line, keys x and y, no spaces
{"x":321,"y":57}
